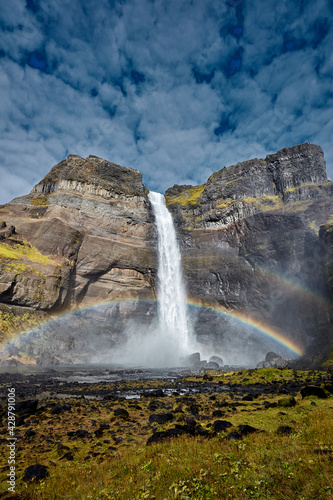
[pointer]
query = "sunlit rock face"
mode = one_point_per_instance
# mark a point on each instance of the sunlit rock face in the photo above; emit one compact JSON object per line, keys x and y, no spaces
{"x":94,"y":220}
{"x":293,"y":174}
{"x":255,"y":238}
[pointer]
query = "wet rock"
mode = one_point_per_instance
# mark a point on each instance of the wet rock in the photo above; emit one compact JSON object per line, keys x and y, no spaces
{"x":35,"y":472}
{"x":217,"y":413}
{"x":273,"y":360}
{"x":216,"y":359}
{"x":153,"y":406}
{"x":158,"y":393}
{"x":80,"y":433}
{"x":313,"y":390}
{"x":192,"y":359}
{"x":270,"y":356}
{"x":211,"y":365}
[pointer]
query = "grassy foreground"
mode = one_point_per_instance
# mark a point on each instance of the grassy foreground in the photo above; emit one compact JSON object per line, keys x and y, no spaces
{"x":290,"y":457}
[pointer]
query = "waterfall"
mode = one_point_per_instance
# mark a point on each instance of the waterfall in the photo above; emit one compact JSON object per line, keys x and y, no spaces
{"x":173,"y":323}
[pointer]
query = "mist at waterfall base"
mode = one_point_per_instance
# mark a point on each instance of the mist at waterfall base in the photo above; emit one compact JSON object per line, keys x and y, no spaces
{"x":170,"y":338}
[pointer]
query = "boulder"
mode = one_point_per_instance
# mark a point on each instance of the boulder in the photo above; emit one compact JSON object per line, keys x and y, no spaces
{"x":313,"y":390}
{"x":35,"y":472}
{"x":216,"y":359}
{"x":211,"y":365}
{"x":161,"y":418}
{"x":221,"y":425}
{"x":192,"y":359}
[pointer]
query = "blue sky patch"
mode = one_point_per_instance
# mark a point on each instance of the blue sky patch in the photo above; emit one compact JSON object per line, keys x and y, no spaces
{"x":174,"y":89}
{"x":137,"y":77}
{"x":37,"y":60}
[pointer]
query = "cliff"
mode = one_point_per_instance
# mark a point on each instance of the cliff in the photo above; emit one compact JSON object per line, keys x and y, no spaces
{"x":291,"y":175}
{"x":256,"y":238}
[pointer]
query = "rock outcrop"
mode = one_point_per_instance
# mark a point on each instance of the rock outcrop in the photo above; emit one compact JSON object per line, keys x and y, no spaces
{"x":292,"y":175}
{"x":256,"y":239}
{"x":92,"y":218}
{"x":250,"y":243}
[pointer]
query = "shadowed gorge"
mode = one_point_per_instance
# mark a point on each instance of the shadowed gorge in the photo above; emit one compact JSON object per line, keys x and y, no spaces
{"x":255,"y":244}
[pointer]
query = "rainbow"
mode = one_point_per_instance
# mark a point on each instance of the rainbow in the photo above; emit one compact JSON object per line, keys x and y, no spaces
{"x":254,"y":323}
{"x":295,"y":286}
{"x":258,"y":326}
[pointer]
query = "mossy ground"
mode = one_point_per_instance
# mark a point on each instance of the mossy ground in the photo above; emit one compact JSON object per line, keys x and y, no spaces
{"x":117,"y":464}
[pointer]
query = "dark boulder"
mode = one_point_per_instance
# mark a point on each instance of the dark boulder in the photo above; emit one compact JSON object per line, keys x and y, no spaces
{"x":161,"y":418}
{"x":57,"y":409}
{"x":244,"y":430}
{"x":163,"y":435}
{"x":211,"y":365}
{"x":233,"y":435}
{"x":35,"y":472}
{"x":313,"y":390}
{"x":121,"y":412}
{"x":30,"y":433}
{"x":28,"y":407}
{"x":221,"y":425}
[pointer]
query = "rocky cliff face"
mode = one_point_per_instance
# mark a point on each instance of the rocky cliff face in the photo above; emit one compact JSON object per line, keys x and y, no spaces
{"x":250,"y":242}
{"x":293,"y":174}
{"x":93,"y":219}
{"x":249,"y":238}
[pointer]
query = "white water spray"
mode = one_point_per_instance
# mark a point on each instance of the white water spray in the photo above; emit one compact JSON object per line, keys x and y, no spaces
{"x":174,"y":325}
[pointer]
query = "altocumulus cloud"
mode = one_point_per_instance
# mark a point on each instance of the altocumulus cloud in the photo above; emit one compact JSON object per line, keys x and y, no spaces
{"x":177,"y":89}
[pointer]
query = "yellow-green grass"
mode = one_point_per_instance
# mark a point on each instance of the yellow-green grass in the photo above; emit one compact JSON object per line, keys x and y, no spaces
{"x":40,"y":201}
{"x":263,"y":465}
{"x":189,"y":196}
{"x":22,"y":251}
{"x":12,"y":324}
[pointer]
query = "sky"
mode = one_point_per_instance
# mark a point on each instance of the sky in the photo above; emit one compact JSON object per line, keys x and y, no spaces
{"x":175,"y":88}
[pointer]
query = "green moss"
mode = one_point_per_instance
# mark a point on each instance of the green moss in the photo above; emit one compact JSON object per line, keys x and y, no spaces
{"x":12,"y":324}
{"x":328,"y":364}
{"x":189,"y":196}
{"x":40,"y":201}
{"x":24,"y":250}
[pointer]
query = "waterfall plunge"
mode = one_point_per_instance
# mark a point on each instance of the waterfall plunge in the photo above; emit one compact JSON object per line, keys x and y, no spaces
{"x":172,"y":310}
{"x":169,"y":336}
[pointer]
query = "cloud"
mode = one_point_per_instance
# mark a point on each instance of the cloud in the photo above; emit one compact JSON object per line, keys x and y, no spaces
{"x":175,"y":89}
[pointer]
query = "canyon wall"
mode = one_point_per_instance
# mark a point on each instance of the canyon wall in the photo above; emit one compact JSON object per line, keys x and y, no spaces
{"x":255,"y":238}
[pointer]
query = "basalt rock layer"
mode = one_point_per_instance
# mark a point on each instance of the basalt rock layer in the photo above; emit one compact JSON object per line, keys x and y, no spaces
{"x":256,"y":238}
